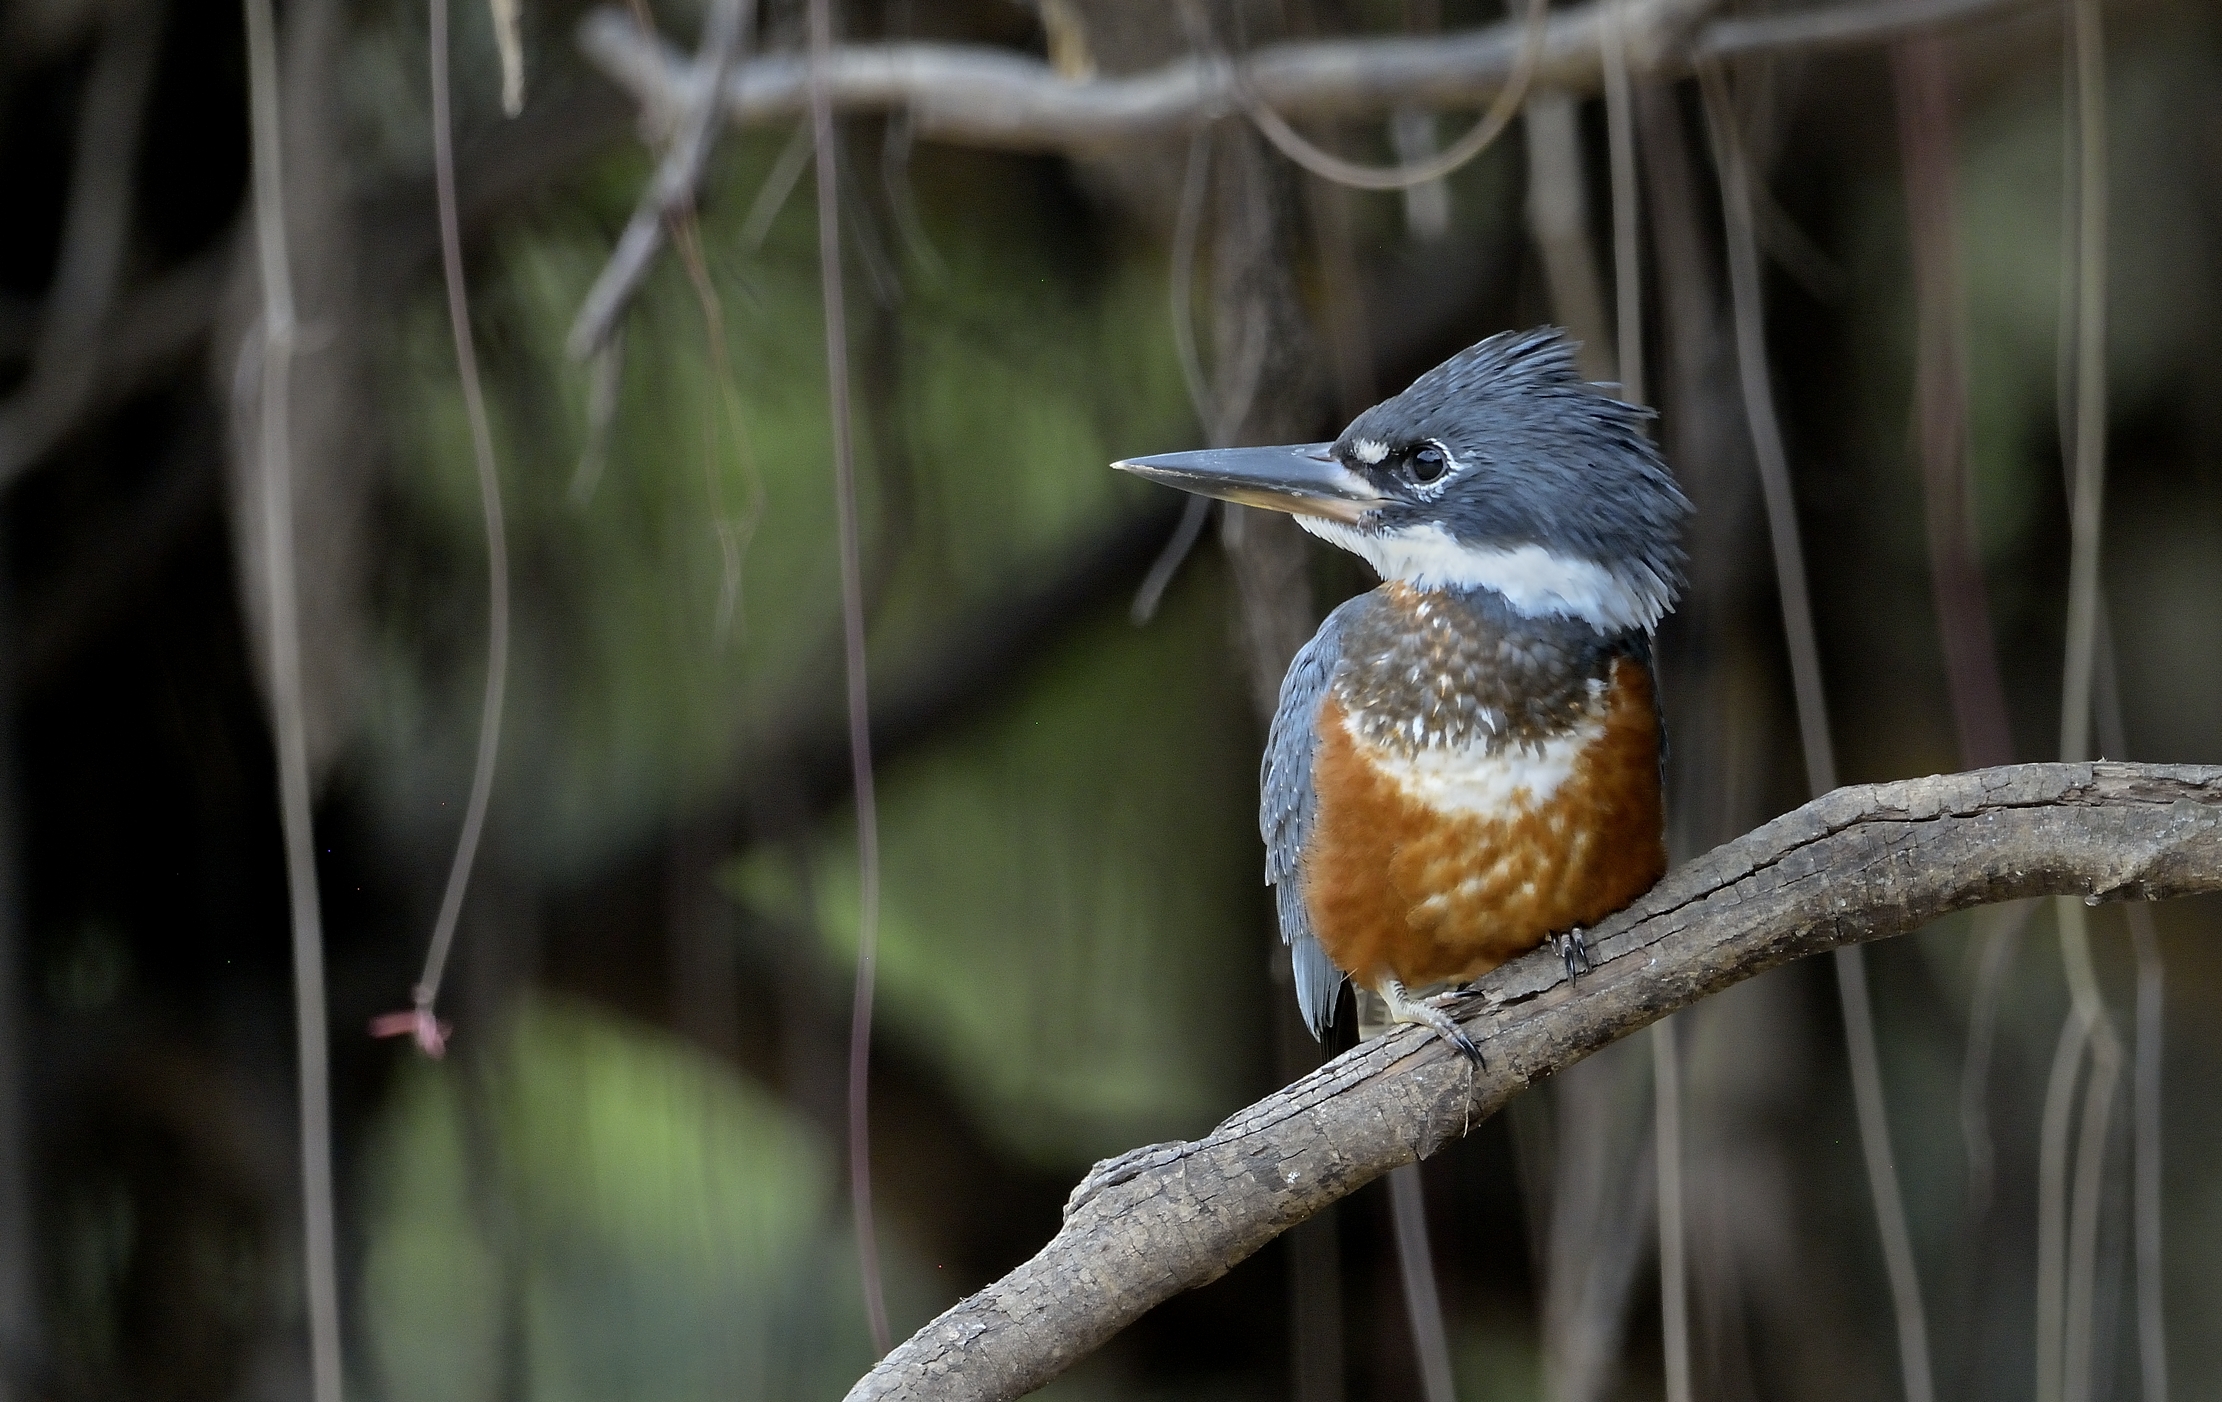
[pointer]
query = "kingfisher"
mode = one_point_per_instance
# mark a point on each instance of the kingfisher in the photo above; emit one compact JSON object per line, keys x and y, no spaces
{"x":1466,"y":761}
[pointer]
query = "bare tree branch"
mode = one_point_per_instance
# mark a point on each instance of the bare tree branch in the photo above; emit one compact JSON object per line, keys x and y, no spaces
{"x":976,"y":95}
{"x":672,"y":191}
{"x":1861,"y":863}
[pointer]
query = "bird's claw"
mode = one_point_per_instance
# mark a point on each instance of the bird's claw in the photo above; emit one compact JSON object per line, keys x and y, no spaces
{"x":1405,"y":1008}
{"x":1573,"y":948}
{"x":1452,"y":1033}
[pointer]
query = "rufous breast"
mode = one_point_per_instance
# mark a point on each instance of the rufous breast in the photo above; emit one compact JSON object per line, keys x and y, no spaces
{"x":1440,"y":850}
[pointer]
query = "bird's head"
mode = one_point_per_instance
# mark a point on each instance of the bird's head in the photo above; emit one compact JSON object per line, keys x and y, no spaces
{"x":1499,"y":469}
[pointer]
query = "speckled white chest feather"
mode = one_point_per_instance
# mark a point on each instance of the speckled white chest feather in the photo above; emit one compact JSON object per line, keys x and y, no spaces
{"x":1469,"y":780}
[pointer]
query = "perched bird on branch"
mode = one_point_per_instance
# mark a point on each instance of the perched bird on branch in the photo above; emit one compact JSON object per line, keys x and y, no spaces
{"x":1466,"y":760}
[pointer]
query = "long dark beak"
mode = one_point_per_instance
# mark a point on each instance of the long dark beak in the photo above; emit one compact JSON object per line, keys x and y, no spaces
{"x":1304,"y":479}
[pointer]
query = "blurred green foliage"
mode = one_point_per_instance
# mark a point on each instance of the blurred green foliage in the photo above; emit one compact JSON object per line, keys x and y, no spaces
{"x":1017,"y":378}
{"x":1495,"y":1359}
{"x":610,"y":1215}
{"x":1061,"y":877}
{"x":1043,"y":934}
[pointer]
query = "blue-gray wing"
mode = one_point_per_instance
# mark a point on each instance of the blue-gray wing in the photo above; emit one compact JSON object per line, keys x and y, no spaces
{"x":1286,"y":806}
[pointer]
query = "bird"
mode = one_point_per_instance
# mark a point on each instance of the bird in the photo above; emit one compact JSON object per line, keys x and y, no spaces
{"x":1466,"y":761}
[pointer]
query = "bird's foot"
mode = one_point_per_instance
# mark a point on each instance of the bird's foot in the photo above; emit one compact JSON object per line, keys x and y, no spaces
{"x":1403,"y":1007}
{"x":1573,"y":947}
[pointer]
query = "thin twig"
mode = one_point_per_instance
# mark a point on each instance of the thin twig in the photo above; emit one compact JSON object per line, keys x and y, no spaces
{"x":1836,"y":26}
{"x":320,"y":1262}
{"x":1922,"y":77}
{"x":1194,"y":513}
{"x":2145,"y":1060}
{"x":733,"y":536}
{"x":1627,"y":202}
{"x":1558,"y":221}
{"x":1187,"y":223}
{"x":1415,"y":1262}
{"x":1220,"y":409}
{"x":1882,"y":1170}
{"x":1924,"y":89}
{"x":1426,"y":204}
{"x":1793,"y":250}
{"x":859,"y":695}
{"x":1674,"y":1271}
{"x":509,"y":41}
{"x":605,"y":380}
{"x":2067,"y":1223}
{"x":2089,"y":493}
{"x":1412,"y":135}
{"x":1998,"y":932}
{"x":2068,"y":1234}
{"x":96,"y":229}
{"x":1813,"y":727}
{"x":2052,"y":1202}
{"x":1589,"y":1177}
{"x":2077,"y":1342}
{"x":896,"y":144}
{"x":1348,"y":332}
{"x":2152,"y":1328}
{"x":144,"y":335}
{"x":677,"y":175}
{"x":1921,"y":71}
{"x":733,"y":533}
{"x":2145,"y":1069}
{"x":2145,"y":1144}
{"x":429,"y":1034}
{"x":1766,"y":439}
{"x":1329,"y":166}
{"x":2145,"y":1108}
{"x":778,"y":185}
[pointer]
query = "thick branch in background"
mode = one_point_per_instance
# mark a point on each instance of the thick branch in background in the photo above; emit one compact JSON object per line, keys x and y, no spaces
{"x":1861,"y":863}
{"x":977,"y":95}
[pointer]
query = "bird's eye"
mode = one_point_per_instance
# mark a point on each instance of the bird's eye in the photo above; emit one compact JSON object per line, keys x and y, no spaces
{"x":1428,"y":463}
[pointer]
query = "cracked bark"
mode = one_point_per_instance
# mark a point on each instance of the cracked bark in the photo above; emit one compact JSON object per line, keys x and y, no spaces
{"x":1861,"y":863}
